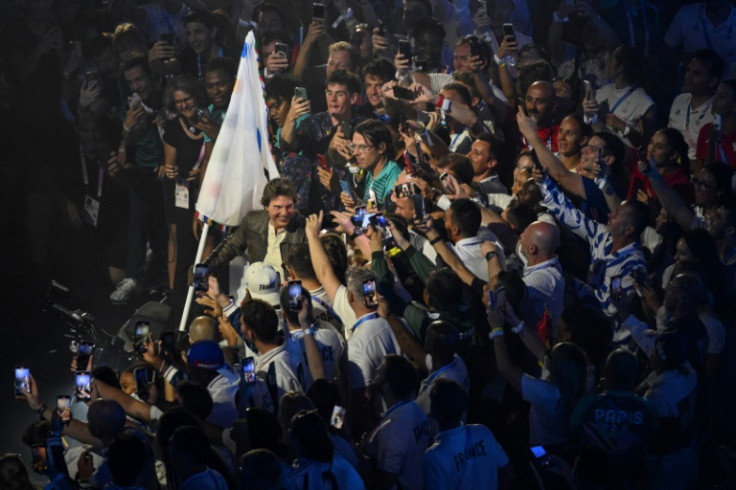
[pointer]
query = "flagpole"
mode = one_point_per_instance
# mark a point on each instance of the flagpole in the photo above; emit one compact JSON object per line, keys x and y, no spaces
{"x":190,"y":292}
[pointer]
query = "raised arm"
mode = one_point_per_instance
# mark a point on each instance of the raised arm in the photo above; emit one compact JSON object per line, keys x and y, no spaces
{"x":322,"y":268}
{"x":683,"y":215}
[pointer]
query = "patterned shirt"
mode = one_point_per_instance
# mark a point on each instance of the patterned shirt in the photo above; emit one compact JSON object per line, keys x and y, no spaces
{"x":605,"y":265}
{"x":383,"y":183}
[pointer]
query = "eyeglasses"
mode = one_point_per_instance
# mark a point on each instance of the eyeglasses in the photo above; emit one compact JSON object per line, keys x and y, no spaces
{"x":703,"y":184}
{"x":183,"y":101}
{"x":360,"y":148}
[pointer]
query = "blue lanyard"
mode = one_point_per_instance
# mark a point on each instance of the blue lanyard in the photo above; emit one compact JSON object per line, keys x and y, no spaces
{"x":326,"y":307}
{"x":441,"y":370}
{"x":397,"y":405}
{"x":623,"y":98}
{"x":365,"y":318}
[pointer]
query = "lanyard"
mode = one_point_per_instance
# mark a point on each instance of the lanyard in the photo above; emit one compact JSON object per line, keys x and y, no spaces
{"x":199,"y":62}
{"x":630,"y":20}
{"x":690,"y":141}
{"x":364,"y":319}
{"x":623,"y":98}
{"x":85,"y":177}
{"x":441,"y":370}
{"x":327,"y":307}
{"x":397,"y":405}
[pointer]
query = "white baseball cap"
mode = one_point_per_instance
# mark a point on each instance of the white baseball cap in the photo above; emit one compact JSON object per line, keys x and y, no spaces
{"x":263,"y":282}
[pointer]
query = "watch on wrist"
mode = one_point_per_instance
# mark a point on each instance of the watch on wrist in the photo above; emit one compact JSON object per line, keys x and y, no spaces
{"x":356,"y":233}
{"x":491,"y":254}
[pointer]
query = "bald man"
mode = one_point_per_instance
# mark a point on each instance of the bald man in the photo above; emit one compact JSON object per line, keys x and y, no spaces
{"x":545,"y":283}
{"x":204,"y":328}
{"x":539,"y":101}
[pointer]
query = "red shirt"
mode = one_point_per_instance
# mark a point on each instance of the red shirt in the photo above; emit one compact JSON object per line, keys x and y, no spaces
{"x":678,"y":180}
{"x":727,"y":147}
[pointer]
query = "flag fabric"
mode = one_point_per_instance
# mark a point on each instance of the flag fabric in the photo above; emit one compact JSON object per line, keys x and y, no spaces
{"x":236,"y":173}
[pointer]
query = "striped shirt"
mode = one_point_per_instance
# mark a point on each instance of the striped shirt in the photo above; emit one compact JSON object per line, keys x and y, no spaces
{"x":605,"y":264}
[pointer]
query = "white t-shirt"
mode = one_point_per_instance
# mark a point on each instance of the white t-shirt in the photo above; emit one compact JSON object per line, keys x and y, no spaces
{"x":686,"y":30}
{"x":223,"y":389}
{"x":689,"y":121}
{"x":464,"y":457}
{"x":631,"y":108}
{"x":545,"y":287}
{"x":322,"y":309}
{"x":455,"y":371}
{"x":370,"y":341}
{"x":342,"y":307}
{"x":548,"y":421}
{"x":317,"y":475}
{"x":285,"y":366}
{"x":469,"y":253}
{"x":399,"y":442}
{"x":331,"y":346}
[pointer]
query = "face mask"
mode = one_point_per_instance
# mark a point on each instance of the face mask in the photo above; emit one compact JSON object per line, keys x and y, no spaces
{"x":428,"y":362}
{"x":520,"y":254}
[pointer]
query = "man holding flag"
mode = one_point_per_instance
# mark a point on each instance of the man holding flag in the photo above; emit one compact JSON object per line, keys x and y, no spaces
{"x":239,"y":169}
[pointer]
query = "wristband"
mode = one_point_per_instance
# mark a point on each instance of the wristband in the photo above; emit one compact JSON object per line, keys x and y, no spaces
{"x":517,"y":329}
{"x":496,"y":332}
{"x":435,"y":240}
{"x":491,"y":254}
{"x":126,"y":128}
{"x":310,"y":330}
{"x":41,"y":410}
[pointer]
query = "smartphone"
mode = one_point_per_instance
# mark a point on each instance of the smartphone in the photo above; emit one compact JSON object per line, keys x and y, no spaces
{"x":444,"y":176}
{"x":201,"y":271}
{"x":168,"y":342}
{"x":405,"y":48}
{"x":404,"y":93}
{"x":541,"y":458}
{"x":616,"y":290}
{"x":369,"y":293}
{"x":140,"y":336}
{"x":89,"y":77}
{"x":38,"y":456}
{"x":22,"y":381}
{"x":589,"y":94}
{"x":168,"y":38}
{"x":281,"y":49}
{"x":347,"y":130}
{"x":404,"y":190}
{"x":295,"y":295}
{"x":508,"y":31}
{"x":249,"y":370}
{"x":300,"y":93}
{"x":83,"y":386}
{"x":85,"y":351}
{"x":337,"y":420}
{"x":64,"y":408}
{"x":381,"y":29}
{"x":491,"y":299}
{"x":135,"y":101}
{"x":141,"y":382}
{"x":476,"y":47}
{"x":318,"y":11}
{"x":359,"y":217}
{"x":419,"y":211}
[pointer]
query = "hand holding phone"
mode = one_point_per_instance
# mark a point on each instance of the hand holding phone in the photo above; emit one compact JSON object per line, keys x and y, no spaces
{"x":64,"y":408}
{"x":83,"y":386}
{"x":318,"y":12}
{"x":295,"y":295}
{"x":140,"y":336}
{"x":369,"y":293}
{"x":22,"y":381}
{"x":248,"y":366}
{"x":201,"y":274}
{"x":85,"y":352}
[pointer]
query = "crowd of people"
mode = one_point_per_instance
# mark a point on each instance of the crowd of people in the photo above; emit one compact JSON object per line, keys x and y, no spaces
{"x":500,"y":251}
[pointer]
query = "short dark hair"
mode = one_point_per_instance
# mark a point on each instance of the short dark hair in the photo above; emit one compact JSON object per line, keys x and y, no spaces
{"x":380,"y":68}
{"x":445,"y":289}
{"x":346,"y":78}
{"x":430,"y":26}
{"x":400,"y":375}
{"x":493,"y":144}
{"x":188,"y":85}
{"x":466,"y":216}
{"x":135,"y":61}
{"x":614,"y":147}
{"x":278,"y":36}
{"x":222,"y":64}
{"x":202,"y":17}
{"x":461,"y":90}
{"x":476,"y":44}
{"x":278,"y":187}
{"x":631,"y":61}
{"x":710,"y":58}
{"x":375,"y":132}
{"x":337,"y":254}
{"x":259,"y":468}
{"x":448,"y":398}
{"x":126,"y":458}
{"x":462,"y":170}
{"x":308,"y":428}
{"x":299,"y":259}
{"x":195,"y":398}
{"x":622,"y":369}
{"x":520,"y":215}
{"x":260,"y":317}
{"x":637,"y":215}
{"x":281,"y":86}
